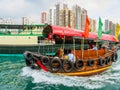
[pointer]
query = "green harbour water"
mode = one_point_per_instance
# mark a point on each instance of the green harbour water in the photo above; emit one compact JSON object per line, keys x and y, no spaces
{"x":15,"y":75}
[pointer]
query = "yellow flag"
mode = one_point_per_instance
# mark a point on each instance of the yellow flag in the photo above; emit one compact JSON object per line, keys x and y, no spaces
{"x":117,"y":32}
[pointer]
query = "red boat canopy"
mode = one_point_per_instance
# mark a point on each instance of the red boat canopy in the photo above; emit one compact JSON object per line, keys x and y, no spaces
{"x":58,"y":30}
{"x":66,"y":31}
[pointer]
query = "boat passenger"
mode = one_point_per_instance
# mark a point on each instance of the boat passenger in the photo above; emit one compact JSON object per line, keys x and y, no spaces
{"x":71,"y":55}
{"x":94,"y":47}
{"x":65,"y":57}
{"x":60,"y":53}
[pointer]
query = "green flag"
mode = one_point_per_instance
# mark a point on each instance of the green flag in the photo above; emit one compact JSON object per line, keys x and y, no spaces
{"x":100,"y":28}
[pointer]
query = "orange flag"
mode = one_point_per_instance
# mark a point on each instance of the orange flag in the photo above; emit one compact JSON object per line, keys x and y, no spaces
{"x":87,"y":27}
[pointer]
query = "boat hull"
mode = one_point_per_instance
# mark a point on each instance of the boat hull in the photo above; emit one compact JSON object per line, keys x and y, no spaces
{"x":85,"y":73}
{"x":85,"y":67}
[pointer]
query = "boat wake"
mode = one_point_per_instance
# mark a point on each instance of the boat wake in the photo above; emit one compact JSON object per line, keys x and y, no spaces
{"x":109,"y":77}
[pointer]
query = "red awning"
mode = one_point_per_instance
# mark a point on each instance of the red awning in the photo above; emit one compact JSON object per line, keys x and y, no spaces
{"x":66,"y":31}
{"x":58,"y":30}
{"x":109,"y":38}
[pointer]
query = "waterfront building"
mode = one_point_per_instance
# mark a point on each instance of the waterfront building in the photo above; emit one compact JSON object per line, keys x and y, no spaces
{"x":43,"y":17}
{"x":106,"y":24}
{"x":67,"y":18}
{"x":2,"y":21}
{"x":92,"y":25}
{"x":109,"y":25}
{"x":26,"y":21}
{"x":59,"y":6}
{"x":78,"y":12}
{"x":112,"y":27}
{"x":52,"y":16}
{"x":83,"y":18}
{"x":9,"y":21}
{"x":6,"y":21}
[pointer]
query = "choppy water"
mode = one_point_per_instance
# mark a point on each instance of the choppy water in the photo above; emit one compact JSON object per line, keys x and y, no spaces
{"x":14,"y":75}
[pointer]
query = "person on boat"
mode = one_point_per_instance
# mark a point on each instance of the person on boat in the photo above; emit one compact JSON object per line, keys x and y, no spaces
{"x":60,"y":53}
{"x":90,"y":45}
{"x":100,"y":46}
{"x":94,"y":47}
{"x":106,"y":45}
{"x":65,"y":57}
{"x":71,"y":56}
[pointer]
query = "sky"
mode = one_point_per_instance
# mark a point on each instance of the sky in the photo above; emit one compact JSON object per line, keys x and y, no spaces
{"x":16,"y":9}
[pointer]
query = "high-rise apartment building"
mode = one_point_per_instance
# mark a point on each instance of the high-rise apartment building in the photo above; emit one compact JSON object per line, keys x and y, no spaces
{"x":109,"y":25}
{"x":106,"y":24}
{"x":61,"y":15}
{"x":67,"y":18}
{"x":43,"y":17}
{"x":78,"y":12}
{"x":59,"y":7}
{"x":2,"y":21}
{"x":9,"y":21}
{"x":83,"y":18}
{"x":92,"y":25}
{"x":114,"y":29}
{"x":26,"y":20}
{"x":6,"y":21}
{"x":52,"y":16}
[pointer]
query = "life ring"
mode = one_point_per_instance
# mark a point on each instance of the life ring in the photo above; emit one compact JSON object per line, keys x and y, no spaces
{"x":101,"y":61}
{"x":90,"y":62}
{"x":79,"y":64}
{"x":114,"y":57}
{"x":108,"y":59}
{"x":55,"y":64}
{"x":45,"y":60}
{"x":68,"y":66}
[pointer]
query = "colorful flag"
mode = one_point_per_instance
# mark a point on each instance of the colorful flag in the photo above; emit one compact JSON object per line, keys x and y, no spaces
{"x":87,"y":27}
{"x":100,"y":28}
{"x":117,"y":32}
{"x":91,"y":30}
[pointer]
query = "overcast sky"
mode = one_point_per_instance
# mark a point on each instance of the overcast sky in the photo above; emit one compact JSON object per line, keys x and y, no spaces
{"x":16,"y":9}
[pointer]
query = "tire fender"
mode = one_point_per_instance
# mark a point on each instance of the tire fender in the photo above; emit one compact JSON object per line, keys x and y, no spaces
{"x":79,"y":64}
{"x":90,"y":62}
{"x":68,"y":66}
{"x":55,"y":64}
{"x":101,"y":61}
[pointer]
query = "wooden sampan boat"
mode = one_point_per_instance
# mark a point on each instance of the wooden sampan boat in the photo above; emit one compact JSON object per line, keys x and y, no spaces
{"x":88,"y":62}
